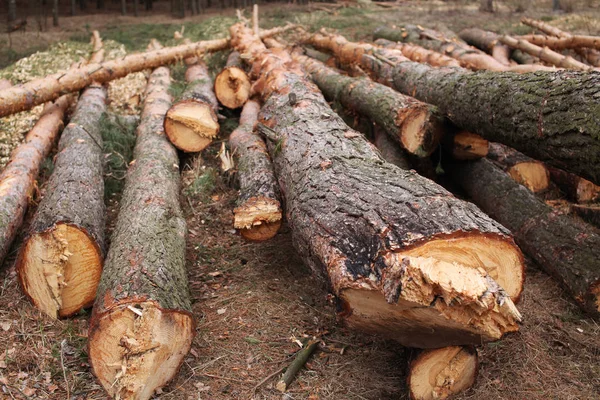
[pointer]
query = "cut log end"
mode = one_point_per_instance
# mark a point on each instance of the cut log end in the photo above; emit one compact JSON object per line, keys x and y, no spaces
{"x":481,"y":263}
{"x":59,"y":270}
{"x":191,"y":125}
{"x":442,"y":373}
{"x":469,"y":146}
{"x":587,"y":191}
{"x":420,"y":132}
{"x":533,"y":175}
{"x":232,"y":87}
{"x":137,"y":348}
{"x":258,"y":219}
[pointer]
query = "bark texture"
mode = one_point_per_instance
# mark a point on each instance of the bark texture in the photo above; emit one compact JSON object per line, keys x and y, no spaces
{"x":415,"y":125}
{"x":390,"y":151}
{"x":544,"y":115}
{"x":561,"y":245}
{"x":419,"y":54}
{"x":564,"y":43}
{"x":232,"y":85}
{"x":574,"y":187}
{"x":588,"y":212}
{"x":488,"y":42}
{"x":18,"y":178}
{"x":258,"y":209}
{"x":191,"y":124}
{"x":524,"y":170}
{"x":142,"y":325}
{"x":362,"y":222}
{"x":23,"y":97}
{"x":75,"y":198}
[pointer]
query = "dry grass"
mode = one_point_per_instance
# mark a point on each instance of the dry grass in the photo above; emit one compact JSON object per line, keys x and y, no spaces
{"x":252,"y":301}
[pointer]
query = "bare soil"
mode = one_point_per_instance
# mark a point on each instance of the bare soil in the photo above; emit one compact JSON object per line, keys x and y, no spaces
{"x":253,"y":301}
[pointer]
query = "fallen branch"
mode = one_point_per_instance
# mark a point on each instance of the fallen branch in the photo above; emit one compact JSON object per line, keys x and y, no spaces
{"x":292,"y":370}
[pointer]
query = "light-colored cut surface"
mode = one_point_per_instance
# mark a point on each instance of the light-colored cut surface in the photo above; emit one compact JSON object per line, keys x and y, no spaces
{"x":137,"y":348}
{"x":533,"y":175}
{"x":415,"y":129}
{"x":191,"y":125}
{"x":258,"y":219}
{"x":232,"y":87}
{"x":469,"y":146}
{"x":60,"y":270}
{"x":440,"y":373}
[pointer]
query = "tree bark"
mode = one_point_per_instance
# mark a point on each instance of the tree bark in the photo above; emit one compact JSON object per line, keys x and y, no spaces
{"x":232,"y":84}
{"x":191,"y":124}
{"x":419,"y":54}
{"x":416,"y":126}
{"x":73,"y":7}
{"x":30,"y":94}
{"x":257,"y":214}
{"x":442,"y":373}
{"x":60,"y":262}
{"x":545,"y":54}
{"x":588,"y":212}
{"x":544,"y":115}
{"x":12,"y":11}
{"x":123,"y":7}
{"x":524,"y":170}
{"x":390,"y":151}
{"x":523,"y":58}
{"x":142,"y":325}
{"x":574,"y":187}
{"x":562,"y":246}
{"x":373,"y":229}
{"x":592,"y":56}
{"x":136,"y":8}
{"x":18,"y":179}
{"x":488,"y":42}
{"x":54,"y":12}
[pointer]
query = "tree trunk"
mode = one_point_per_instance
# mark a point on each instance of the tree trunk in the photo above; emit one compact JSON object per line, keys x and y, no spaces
{"x":441,"y":373}
{"x":545,"y":54}
{"x":390,"y":151}
{"x":523,"y":58}
{"x":142,"y":325}
{"x":486,"y":6}
{"x":419,"y":54}
{"x":592,"y":56}
{"x":257,"y":214}
{"x":136,"y":7}
{"x":524,"y":170}
{"x":416,"y":126}
{"x":83,"y":5}
{"x":99,"y":4}
{"x":587,"y":212}
{"x":60,"y":262}
{"x":18,"y":179}
{"x":38,"y":91}
{"x":123,"y":7}
{"x":12,"y":11}
{"x":526,"y":112}
{"x":488,"y":42}
{"x":232,"y":84}
{"x":191,"y":124}
{"x":54,"y":12}
{"x":574,"y":187}
{"x":148,"y":5}
{"x":382,"y":235}
{"x":562,"y":246}
{"x":73,"y":7}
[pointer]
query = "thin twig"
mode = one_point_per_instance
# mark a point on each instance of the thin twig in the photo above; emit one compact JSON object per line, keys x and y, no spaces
{"x":62,"y":364}
{"x":279,"y":371}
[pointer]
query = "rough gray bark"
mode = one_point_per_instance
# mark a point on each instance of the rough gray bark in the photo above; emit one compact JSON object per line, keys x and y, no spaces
{"x":562,"y":246}
{"x":545,"y":115}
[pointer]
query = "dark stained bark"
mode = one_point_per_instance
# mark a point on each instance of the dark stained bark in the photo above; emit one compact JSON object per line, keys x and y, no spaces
{"x":574,"y":187}
{"x":74,"y":199}
{"x":545,"y":115}
{"x":524,"y":170}
{"x":18,"y":178}
{"x":588,"y":212}
{"x":358,"y":220}
{"x":258,"y":209}
{"x":142,"y":317}
{"x":562,"y":246}
{"x":415,"y":125}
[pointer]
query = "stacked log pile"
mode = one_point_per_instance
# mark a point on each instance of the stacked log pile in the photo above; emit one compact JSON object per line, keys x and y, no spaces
{"x":406,"y":259}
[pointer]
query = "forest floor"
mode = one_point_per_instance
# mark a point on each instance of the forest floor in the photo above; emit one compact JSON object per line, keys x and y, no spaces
{"x":252,"y":301}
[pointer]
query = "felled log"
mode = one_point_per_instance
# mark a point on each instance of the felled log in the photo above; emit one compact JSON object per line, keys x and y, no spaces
{"x":545,"y":54}
{"x":488,"y":42}
{"x":527,"y":112}
{"x":592,"y":56}
{"x":562,"y":246}
{"x":524,"y":170}
{"x":386,"y":239}
{"x":419,"y":54}
{"x":469,"y":57}
{"x":257,"y":214}
{"x":191,"y":124}
{"x":60,"y":261}
{"x":390,"y":151}
{"x":142,"y":325}
{"x":587,"y":212}
{"x":464,"y":145}
{"x":23,"y":97}
{"x":18,"y":179}
{"x":523,"y":58}
{"x":441,"y":373}
{"x":576,"y":188}
{"x":415,"y":125}
{"x":564,"y":43}
{"x":232,"y":84}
